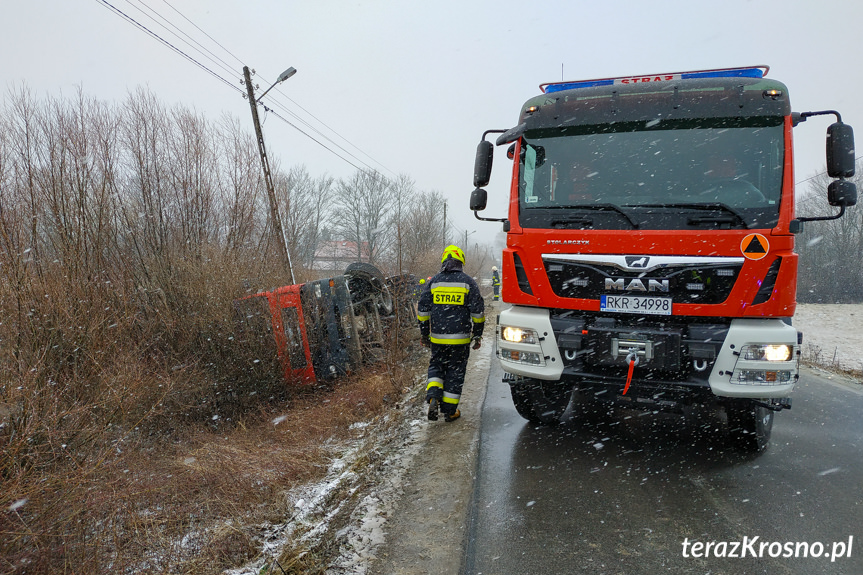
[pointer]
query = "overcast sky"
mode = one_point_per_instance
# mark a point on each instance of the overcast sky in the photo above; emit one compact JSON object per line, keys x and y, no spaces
{"x":409,"y":87}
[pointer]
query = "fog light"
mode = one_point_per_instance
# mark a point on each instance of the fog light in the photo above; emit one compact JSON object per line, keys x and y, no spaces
{"x":527,"y":357}
{"x":758,"y":377}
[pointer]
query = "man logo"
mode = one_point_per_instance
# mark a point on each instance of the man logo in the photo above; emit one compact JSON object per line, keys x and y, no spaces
{"x":637,"y":261}
{"x":636,"y":284}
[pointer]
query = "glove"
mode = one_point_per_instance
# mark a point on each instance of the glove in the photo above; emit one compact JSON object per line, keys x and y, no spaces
{"x":425,"y":341}
{"x":477,"y":342}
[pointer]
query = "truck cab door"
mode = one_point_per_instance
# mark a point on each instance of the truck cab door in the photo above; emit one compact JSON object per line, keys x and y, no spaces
{"x":292,"y":339}
{"x":324,"y":304}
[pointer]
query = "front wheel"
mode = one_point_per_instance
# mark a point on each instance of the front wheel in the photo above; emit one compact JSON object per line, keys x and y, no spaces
{"x":540,"y":402}
{"x":749,"y":425}
{"x":367,"y":281}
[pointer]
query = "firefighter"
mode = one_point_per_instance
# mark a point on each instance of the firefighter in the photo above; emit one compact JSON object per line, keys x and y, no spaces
{"x":452,"y":318}
{"x":495,"y":282}
{"x":418,"y":288}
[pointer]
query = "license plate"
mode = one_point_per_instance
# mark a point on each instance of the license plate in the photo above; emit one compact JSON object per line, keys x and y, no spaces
{"x":635,"y":304}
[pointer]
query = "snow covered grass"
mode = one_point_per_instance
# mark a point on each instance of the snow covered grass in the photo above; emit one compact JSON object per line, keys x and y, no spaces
{"x":337,"y":523}
{"x":832,"y":336}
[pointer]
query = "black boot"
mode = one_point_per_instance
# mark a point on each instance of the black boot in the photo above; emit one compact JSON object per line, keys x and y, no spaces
{"x":433,"y":408}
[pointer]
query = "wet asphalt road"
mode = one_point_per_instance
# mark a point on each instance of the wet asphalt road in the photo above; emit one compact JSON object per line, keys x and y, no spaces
{"x":609,"y":493}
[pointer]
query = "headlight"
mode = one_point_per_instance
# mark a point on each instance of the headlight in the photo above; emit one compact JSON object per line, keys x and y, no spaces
{"x":518,"y":335}
{"x":765,"y":352}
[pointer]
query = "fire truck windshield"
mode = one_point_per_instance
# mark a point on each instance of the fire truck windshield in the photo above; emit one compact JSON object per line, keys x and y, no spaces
{"x":670,"y":174}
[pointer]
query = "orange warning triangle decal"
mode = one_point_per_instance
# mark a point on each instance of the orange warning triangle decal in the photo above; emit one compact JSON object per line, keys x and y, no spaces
{"x":755,"y":247}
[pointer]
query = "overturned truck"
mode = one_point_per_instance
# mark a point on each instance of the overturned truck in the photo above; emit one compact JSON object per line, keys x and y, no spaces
{"x":322,"y":329}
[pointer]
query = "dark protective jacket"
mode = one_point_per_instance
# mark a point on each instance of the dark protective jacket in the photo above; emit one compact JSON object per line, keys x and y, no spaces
{"x":451,"y":310}
{"x":495,"y":278}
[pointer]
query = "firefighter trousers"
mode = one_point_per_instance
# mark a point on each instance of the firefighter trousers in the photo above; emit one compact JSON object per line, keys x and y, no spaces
{"x":446,"y":373}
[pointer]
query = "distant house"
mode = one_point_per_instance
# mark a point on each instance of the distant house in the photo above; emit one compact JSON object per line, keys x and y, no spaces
{"x":332,"y":257}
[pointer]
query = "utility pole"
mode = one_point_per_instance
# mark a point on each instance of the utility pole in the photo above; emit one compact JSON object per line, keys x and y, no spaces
{"x":278,"y":230}
{"x":444,"y":225}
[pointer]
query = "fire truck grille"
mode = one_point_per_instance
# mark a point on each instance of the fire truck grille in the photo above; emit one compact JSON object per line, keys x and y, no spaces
{"x":696,"y":283}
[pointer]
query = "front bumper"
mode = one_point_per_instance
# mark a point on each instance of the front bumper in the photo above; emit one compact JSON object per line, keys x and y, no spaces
{"x":585,"y":347}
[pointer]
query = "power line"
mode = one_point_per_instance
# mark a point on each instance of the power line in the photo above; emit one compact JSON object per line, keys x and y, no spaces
{"x":294,"y":126}
{"x":166,"y":43}
{"x":177,"y":32}
{"x":819,"y":174}
{"x":320,"y":133}
{"x":304,"y":122}
{"x":240,"y":62}
{"x":224,"y":65}
{"x":336,"y":133}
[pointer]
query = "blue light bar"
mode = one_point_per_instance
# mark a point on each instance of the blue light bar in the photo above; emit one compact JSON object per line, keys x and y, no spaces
{"x":749,"y":72}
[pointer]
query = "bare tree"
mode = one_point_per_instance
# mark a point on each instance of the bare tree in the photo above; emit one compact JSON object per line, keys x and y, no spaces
{"x":240,"y":183}
{"x":422,"y":233}
{"x":829,"y":249}
{"x":145,"y":209}
{"x":304,"y":203}
{"x":22,"y":122}
{"x":362,"y":205}
{"x":403,"y":198}
{"x":192,"y":166}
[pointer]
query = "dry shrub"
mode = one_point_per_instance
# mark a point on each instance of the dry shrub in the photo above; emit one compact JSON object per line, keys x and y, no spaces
{"x":145,"y":441}
{"x":181,"y":501}
{"x":92,"y":386}
{"x":125,"y":236}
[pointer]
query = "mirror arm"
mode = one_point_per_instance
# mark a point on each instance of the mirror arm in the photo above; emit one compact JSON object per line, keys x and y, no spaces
{"x":824,"y":218}
{"x":477,"y":216}
{"x":801,"y":117}
{"x":487,"y":132}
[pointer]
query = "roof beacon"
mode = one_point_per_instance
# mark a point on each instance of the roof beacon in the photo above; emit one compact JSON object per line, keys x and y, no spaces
{"x":748,"y":72}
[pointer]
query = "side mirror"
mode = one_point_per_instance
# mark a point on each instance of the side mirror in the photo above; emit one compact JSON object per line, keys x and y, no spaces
{"x":478,"y":199}
{"x":482,"y":165}
{"x":842,"y":193}
{"x":840,"y":151}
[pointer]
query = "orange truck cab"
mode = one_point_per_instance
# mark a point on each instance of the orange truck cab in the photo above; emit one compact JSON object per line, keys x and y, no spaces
{"x":650,"y":244}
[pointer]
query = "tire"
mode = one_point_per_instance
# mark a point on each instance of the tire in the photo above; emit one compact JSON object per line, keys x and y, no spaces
{"x":367,"y":281}
{"x":749,"y":426}
{"x":540,"y":402}
{"x":385,"y":302}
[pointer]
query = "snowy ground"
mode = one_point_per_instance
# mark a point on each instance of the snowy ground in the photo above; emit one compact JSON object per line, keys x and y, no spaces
{"x":352,"y":504}
{"x":833,"y":335}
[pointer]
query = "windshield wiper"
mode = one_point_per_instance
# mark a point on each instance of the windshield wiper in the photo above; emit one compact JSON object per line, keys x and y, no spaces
{"x":737,"y":218}
{"x":605,"y":208}
{"x":586,"y":222}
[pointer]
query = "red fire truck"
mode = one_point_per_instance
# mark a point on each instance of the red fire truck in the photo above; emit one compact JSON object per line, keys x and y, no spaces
{"x":650,"y":244}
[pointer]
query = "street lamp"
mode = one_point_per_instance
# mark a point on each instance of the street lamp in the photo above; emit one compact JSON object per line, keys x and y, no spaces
{"x":282,"y":77}
{"x":278,"y":230}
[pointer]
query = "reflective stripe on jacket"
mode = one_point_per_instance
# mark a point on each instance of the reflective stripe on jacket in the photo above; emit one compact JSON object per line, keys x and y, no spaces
{"x":451,"y":310}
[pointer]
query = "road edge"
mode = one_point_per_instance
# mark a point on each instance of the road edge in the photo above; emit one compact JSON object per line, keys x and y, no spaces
{"x":428,"y":528}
